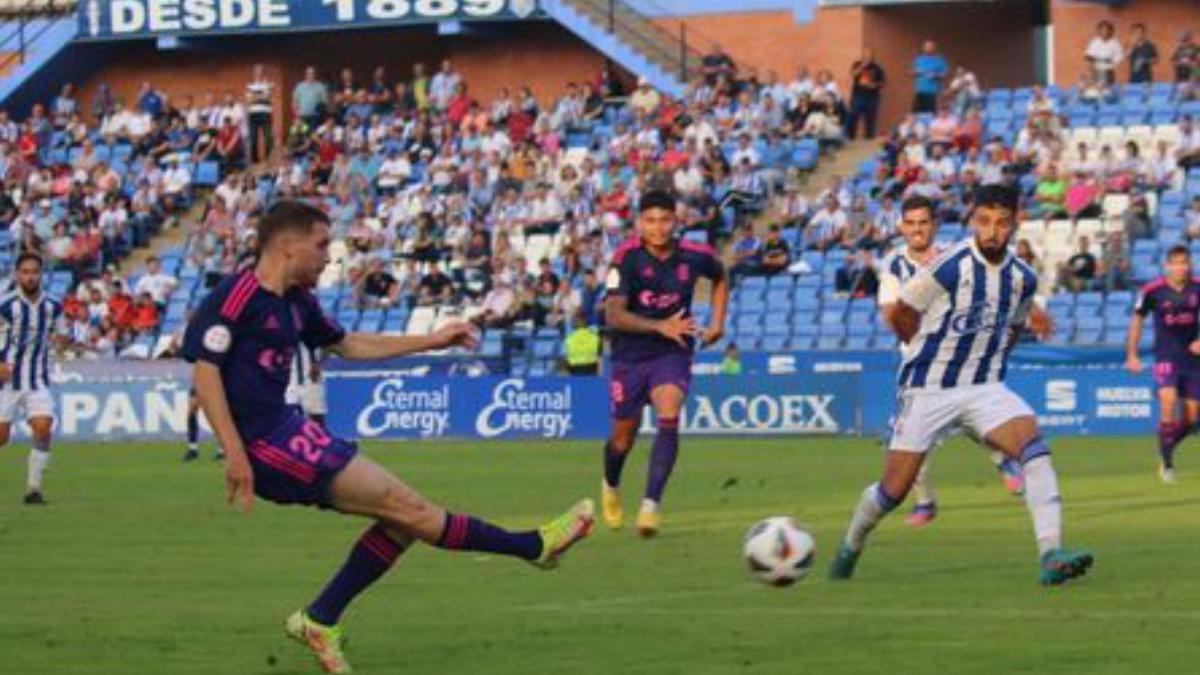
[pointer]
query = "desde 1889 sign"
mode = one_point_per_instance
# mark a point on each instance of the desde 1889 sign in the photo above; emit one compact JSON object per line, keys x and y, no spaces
{"x":118,"y":19}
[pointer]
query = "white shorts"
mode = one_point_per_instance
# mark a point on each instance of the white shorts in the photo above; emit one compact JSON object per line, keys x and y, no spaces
{"x":34,"y":403}
{"x":928,"y":415}
{"x":310,"y":397}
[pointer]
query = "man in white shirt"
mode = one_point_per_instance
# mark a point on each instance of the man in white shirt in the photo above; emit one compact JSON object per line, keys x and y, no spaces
{"x":1103,"y":53}
{"x":443,"y":84}
{"x":394,"y":172}
{"x":258,"y":109}
{"x":746,"y":152}
{"x":157,"y":283}
{"x":826,"y":227}
{"x":176,"y":179}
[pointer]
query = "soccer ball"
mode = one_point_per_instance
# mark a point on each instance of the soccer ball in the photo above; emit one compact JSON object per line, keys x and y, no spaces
{"x":778,"y":551}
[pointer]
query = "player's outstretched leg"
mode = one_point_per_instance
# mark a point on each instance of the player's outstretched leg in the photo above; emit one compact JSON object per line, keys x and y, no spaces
{"x":365,"y":488}
{"x":616,"y":451}
{"x":925,"y":506}
{"x":1170,"y":434}
{"x":39,"y":459}
{"x":878,"y":500}
{"x":1020,"y":438}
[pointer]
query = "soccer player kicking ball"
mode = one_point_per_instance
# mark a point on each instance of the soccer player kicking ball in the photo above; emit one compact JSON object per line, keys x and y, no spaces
{"x":242,"y":341}
{"x":958,"y":318}
{"x":650,"y":286}
{"x":1174,"y":299}
{"x":919,"y":227}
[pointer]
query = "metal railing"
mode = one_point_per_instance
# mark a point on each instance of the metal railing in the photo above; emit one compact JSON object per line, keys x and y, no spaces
{"x":23,"y":14}
{"x":670,"y":49}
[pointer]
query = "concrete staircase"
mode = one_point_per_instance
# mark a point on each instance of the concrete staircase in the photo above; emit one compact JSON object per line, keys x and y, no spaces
{"x":631,"y":39}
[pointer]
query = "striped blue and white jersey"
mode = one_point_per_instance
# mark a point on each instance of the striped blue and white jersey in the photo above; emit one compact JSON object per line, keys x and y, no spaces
{"x":26,"y":331}
{"x":894,"y":271}
{"x":968,"y":307}
{"x":301,"y":375}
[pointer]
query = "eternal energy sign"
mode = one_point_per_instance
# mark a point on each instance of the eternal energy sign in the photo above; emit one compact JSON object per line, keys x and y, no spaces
{"x":119,"y":19}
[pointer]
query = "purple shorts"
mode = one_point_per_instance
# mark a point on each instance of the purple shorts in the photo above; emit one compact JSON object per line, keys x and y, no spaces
{"x":1185,"y":380}
{"x":631,"y":383}
{"x":295,"y":463}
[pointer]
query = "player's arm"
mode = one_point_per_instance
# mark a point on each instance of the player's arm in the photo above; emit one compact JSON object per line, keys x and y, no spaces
{"x":210,"y":391}
{"x":372,"y":346}
{"x":1142,"y":306}
{"x":720,"y":304}
{"x":919,"y":294}
{"x":888,"y":295}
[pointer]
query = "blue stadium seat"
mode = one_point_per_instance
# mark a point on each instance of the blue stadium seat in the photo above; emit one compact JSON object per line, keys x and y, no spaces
{"x":832,"y":318}
{"x":777,"y":326}
{"x":829,"y":343}
{"x":773,"y":343}
{"x":858,"y":342}
{"x":207,"y":174}
{"x":806,"y":329}
{"x":779,"y":298}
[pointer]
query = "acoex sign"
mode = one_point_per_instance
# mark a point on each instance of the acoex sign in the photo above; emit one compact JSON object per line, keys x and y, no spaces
{"x":115,"y":19}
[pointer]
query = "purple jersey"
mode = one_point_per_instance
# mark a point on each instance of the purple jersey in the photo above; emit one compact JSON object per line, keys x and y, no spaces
{"x":657,"y":289}
{"x":1175,"y":315}
{"x":251,"y":334}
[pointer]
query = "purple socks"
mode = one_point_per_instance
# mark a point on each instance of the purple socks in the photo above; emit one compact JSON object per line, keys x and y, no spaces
{"x":662,"y":458}
{"x":464,"y":533}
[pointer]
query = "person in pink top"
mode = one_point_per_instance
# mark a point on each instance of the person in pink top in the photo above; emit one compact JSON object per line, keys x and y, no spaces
{"x":1083,"y":196}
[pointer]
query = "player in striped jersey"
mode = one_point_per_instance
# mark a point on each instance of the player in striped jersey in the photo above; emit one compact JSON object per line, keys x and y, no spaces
{"x":30,"y":326}
{"x":958,"y":319}
{"x":306,"y":388}
{"x":918,"y":226}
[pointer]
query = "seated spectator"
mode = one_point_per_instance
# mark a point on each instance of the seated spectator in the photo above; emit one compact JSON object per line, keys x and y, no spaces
{"x":436,"y":287}
{"x":776,"y":255}
{"x":145,"y":315}
{"x":1078,"y":273}
{"x":1050,"y":196}
{"x":1136,"y":220}
{"x":857,"y":276}
{"x":1114,"y":267}
{"x":156,"y":283}
{"x":567,"y":302}
{"x":1187,"y":152}
{"x":58,"y":249}
{"x":826,"y":228}
{"x":1082,"y":199}
{"x":943,"y":128}
{"x":377,"y":288}
{"x":500,"y":303}
{"x":747,"y":253}
{"x":1026,"y":254}
{"x":1158,"y":171}
{"x":1192,"y":219}
{"x":859,"y":231}
{"x":229,"y":146}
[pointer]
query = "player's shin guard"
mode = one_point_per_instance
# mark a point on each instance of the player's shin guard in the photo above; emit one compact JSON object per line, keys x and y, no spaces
{"x":1041,"y":495}
{"x":1170,"y":434}
{"x":872,"y":507}
{"x":923,"y":488}
{"x":464,"y":533}
{"x":614,"y":464}
{"x":39,"y":458}
{"x":662,"y":458}
{"x":372,"y":556}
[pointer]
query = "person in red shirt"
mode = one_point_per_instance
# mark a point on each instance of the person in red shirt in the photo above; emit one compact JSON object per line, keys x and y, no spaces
{"x":459,"y":105}
{"x":120,"y":309}
{"x":27,"y":144}
{"x":145,"y":314}
{"x":229,"y":144}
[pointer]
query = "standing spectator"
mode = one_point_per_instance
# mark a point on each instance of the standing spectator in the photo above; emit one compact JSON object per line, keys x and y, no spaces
{"x":868,"y":80}
{"x":717,"y":65}
{"x":1192,"y":220}
{"x":258,"y":110}
{"x":929,"y":70}
{"x":965,"y":92}
{"x":1143,"y":56}
{"x":229,"y":146}
{"x":310,"y":99}
{"x":66,"y":106}
{"x":443,"y":86}
{"x":1103,"y":53}
{"x":150,"y":102}
{"x":1187,"y":152}
{"x":1186,"y":58}
{"x":1078,"y":273}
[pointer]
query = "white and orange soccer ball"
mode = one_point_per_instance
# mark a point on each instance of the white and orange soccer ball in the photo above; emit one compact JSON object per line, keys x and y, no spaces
{"x":778,"y":551}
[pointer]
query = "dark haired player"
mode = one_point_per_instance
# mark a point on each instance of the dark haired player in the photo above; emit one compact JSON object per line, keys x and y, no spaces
{"x":242,"y":340}
{"x":958,"y":319}
{"x":30,"y":324}
{"x":1174,"y":299}
{"x":648,"y":309}
{"x":918,"y":226}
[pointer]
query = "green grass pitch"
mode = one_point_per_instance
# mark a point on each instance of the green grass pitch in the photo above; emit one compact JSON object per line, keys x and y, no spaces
{"x":138,"y":567}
